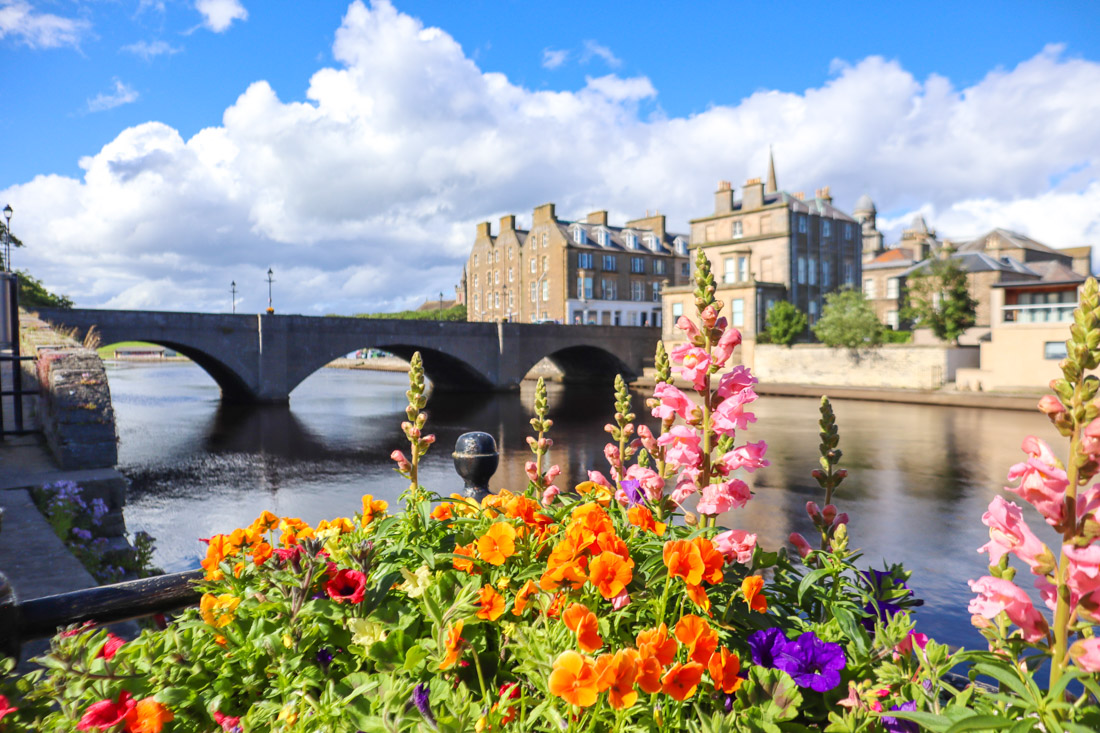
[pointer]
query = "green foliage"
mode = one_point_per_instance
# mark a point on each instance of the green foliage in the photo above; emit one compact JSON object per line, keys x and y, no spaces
{"x":890,"y":336}
{"x":938,"y":297}
{"x":33,"y":294}
{"x":784,"y":322}
{"x":848,"y":320}
{"x":454,"y":313}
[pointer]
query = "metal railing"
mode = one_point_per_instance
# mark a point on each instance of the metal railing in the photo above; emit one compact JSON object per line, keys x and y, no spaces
{"x":9,"y":308}
{"x":475,"y":458}
{"x":1050,"y":312}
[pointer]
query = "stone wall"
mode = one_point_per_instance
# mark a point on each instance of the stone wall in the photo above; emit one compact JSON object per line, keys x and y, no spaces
{"x":892,"y":365}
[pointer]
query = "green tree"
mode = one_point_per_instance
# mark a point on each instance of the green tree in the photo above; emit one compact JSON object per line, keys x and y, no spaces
{"x":938,"y":297}
{"x":33,"y":294}
{"x":848,"y":320}
{"x":784,"y":322}
{"x":15,"y":242}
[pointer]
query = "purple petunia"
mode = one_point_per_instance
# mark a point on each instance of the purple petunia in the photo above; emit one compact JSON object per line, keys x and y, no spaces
{"x":324,"y":658}
{"x":422,"y":700}
{"x":892,"y":725}
{"x":811,"y":662}
{"x":881,"y":583}
{"x":633,"y":491}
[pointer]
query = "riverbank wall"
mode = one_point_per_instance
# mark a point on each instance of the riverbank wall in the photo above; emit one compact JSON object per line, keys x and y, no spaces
{"x":897,"y":366}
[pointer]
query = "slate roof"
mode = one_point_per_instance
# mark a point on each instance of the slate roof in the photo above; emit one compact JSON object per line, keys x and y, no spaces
{"x":981,"y":262}
{"x":617,"y":237}
{"x":1012,"y":239}
{"x":1050,"y":272}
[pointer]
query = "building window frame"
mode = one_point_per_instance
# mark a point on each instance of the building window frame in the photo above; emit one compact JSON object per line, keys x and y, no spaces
{"x":738,"y":229}
{"x":610,"y":263}
{"x":637,"y":265}
{"x":585,"y":260}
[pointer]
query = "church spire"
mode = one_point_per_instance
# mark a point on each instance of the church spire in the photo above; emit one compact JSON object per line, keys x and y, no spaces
{"x":771,"y":186}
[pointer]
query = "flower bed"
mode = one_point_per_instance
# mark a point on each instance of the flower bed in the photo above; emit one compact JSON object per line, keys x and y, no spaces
{"x":609,"y":607}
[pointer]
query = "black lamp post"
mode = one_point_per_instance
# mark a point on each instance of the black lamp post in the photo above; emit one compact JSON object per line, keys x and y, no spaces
{"x":7,"y":237}
{"x":270,"y":280}
{"x":233,"y":290}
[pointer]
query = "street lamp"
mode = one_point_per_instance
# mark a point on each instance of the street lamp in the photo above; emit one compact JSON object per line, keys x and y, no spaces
{"x":7,"y":237}
{"x":270,"y":280}
{"x":233,"y":289}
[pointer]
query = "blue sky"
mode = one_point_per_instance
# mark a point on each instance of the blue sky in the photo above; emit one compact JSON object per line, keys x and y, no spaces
{"x":319,"y":154}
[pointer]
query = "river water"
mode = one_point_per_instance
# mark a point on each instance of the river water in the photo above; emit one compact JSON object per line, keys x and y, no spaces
{"x":920,"y":476}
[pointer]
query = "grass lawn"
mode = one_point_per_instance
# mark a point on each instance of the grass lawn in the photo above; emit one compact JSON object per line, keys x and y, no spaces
{"x":108,"y":351}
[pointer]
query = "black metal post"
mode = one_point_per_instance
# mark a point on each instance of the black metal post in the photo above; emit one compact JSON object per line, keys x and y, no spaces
{"x":476,"y":460}
{"x":16,"y":362}
{"x":233,"y":289}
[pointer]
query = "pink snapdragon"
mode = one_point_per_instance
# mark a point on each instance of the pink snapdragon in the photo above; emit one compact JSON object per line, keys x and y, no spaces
{"x":403,"y":464}
{"x":749,"y":457}
{"x":688,"y":326}
{"x":598,"y":478}
{"x":1086,"y":654}
{"x":1083,"y":568}
{"x":912,"y":640}
{"x":800,"y":544}
{"x":709,"y":316}
{"x":736,"y":544}
{"x":1051,"y":405}
{"x":647,"y":439}
{"x":681,"y":444}
{"x":722,"y":497}
{"x":1042,"y":483}
{"x":725,"y":346}
{"x":673,"y":402}
{"x":996,"y":595}
{"x":649,"y":480}
{"x":550,"y":494}
{"x":736,"y":381}
{"x":694,"y":365}
{"x":611,"y":453}
{"x":729,"y":417}
{"x":1009,"y":533}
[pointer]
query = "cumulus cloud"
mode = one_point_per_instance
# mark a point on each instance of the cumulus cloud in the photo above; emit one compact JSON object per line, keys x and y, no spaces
{"x":592,"y":49}
{"x":149,"y":50}
{"x":218,"y":15}
{"x":364,"y":197}
{"x":553,"y":58}
{"x":121,"y":94}
{"x":19,"y":20}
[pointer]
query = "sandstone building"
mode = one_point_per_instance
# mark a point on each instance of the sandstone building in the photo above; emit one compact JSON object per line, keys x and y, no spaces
{"x":579,"y":272}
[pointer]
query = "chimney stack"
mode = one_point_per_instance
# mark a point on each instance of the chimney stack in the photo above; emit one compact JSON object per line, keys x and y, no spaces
{"x":507,"y":223}
{"x":598,"y":217}
{"x":752,"y":197}
{"x":723,"y":198}
{"x":544,"y":214}
{"x":483,"y":230}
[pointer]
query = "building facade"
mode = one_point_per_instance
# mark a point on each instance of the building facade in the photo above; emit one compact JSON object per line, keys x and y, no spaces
{"x":575,"y":272}
{"x":770,"y":245}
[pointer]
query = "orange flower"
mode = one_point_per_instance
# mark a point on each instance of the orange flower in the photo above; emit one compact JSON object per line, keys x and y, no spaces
{"x":148,"y":716}
{"x":609,"y":574}
{"x":615,"y":673}
{"x":521,"y":598}
{"x":683,"y":560}
{"x":294,"y":529}
{"x":466,"y":566}
{"x":491,"y":604}
{"x":643,"y":519}
{"x":649,"y":670}
{"x":261,"y":552}
{"x":574,"y":679}
{"x":680,"y":681}
{"x":216,"y":550}
{"x":372,"y":508}
{"x":497,"y":544}
{"x":579,"y":619}
{"x":443,"y":512}
{"x":610,"y":542}
{"x":265,"y":522}
{"x":658,"y":642}
{"x":698,"y":636}
{"x":239,"y":538}
{"x":599,"y":492}
{"x":724,"y":667}
{"x":218,"y":611}
{"x":699,"y":597}
{"x":713,"y":560}
{"x":453,"y":642}
{"x":753,"y":588}
{"x":571,"y":573}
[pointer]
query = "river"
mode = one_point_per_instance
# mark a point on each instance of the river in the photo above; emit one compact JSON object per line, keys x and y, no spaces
{"x":920,"y":476}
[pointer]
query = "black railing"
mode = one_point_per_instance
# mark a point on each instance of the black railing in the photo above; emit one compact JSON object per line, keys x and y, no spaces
{"x":475,"y":458}
{"x":10,"y":308}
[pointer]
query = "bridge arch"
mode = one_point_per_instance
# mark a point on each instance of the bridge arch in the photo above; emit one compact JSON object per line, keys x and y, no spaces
{"x":233,"y":387}
{"x":585,"y":363}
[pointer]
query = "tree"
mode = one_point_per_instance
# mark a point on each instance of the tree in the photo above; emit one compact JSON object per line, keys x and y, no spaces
{"x":938,"y":297}
{"x":848,"y":320}
{"x":784,"y":322}
{"x":15,"y":242}
{"x":33,"y":294}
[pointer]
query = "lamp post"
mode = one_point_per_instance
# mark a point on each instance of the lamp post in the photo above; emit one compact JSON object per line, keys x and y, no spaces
{"x":7,"y":237}
{"x":270,"y":279}
{"x":233,"y":290}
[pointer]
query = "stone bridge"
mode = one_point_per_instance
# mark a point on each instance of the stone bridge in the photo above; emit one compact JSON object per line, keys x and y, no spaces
{"x":262,"y":358}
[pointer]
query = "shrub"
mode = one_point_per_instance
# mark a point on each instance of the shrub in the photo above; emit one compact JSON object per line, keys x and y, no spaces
{"x":848,"y":320}
{"x":784,"y":322}
{"x":938,"y":297}
{"x":889,"y":336}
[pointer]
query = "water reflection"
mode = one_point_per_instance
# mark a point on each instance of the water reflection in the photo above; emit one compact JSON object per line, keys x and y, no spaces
{"x":920,"y":476}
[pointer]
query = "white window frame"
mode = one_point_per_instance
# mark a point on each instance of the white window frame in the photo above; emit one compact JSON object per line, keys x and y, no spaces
{"x":637,"y":291}
{"x":578,"y":235}
{"x":737,"y":312}
{"x":801,"y":223}
{"x":893,"y":287}
{"x":637,"y":265}
{"x":584,"y":260}
{"x":869,"y":288}
{"x":545,"y":290}
{"x":677,"y":310}
{"x":609,"y":288}
{"x":743,"y":268}
{"x":738,"y":229}
{"x":612,"y":261}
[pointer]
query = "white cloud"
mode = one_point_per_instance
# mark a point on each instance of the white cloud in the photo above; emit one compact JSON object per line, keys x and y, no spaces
{"x":365,"y":196}
{"x":149,"y":50}
{"x":121,"y":94}
{"x":593,"y":49}
{"x":218,"y":15}
{"x":553,"y":58}
{"x":18,"y":19}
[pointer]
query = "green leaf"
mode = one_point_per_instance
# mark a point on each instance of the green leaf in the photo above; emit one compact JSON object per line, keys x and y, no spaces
{"x":931,"y":721}
{"x":414,"y":657}
{"x":172,"y":697}
{"x":981,"y":722}
{"x":811,"y":580}
{"x":1010,"y":680}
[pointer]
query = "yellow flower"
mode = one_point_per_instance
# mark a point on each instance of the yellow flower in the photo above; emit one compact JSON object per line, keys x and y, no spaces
{"x":503,"y":583}
{"x":365,"y":632}
{"x":288,"y":715}
{"x":416,"y":583}
{"x":287,"y":641}
{"x":218,"y":611}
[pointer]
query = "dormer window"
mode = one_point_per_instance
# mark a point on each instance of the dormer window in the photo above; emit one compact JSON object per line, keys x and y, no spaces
{"x":578,"y":235}
{"x":681,"y":246}
{"x":651,"y":242}
{"x":631,"y":240}
{"x":603,"y":238}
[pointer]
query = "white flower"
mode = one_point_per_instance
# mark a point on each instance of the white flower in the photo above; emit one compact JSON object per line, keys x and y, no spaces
{"x":416,"y":583}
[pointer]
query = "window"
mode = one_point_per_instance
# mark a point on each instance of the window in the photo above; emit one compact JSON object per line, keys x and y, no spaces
{"x":633,"y":318}
{"x":511,"y":275}
{"x":729,"y":266}
{"x":677,"y":310}
{"x":826,"y":227}
{"x":475,"y":260}
{"x":737,"y":312}
{"x":608,"y":288}
{"x":584,"y":287}
{"x":743,"y":268}
{"x":802,"y":224}
{"x":651,"y":242}
{"x":475,"y":281}
{"x":510,"y":252}
{"x":637,"y":265}
{"x":1054,"y":350}
{"x":496,"y":277}
{"x":826,"y":274}
{"x":511,"y":299}
{"x":603,"y":238}
{"x":584,"y":260}
{"x":737,"y":230}
{"x":658,"y":267}
{"x":496,"y":300}
{"x":637,"y":290}
{"x":892,"y":287}
{"x":534,"y":292}
{"x":813,"y":311}
{"x":610,"y":264}
{"x":847,"y":231}
{"x":892,"y":319}
{"x":545,"y":290}
{"x":656,"y":292}
{"x":869,"y":288}
{"x":685,"y":269}
{"x":496,"y":257}
{"x":848,"y":276}
{"x":545,"y":239}
{"x":631,"y":241}
{"x":545,"y":263}
{"x":578,"y":235}
{"x":681,"y":247}
{"x":801,"y":270}
{"x":477,"y":302}
{"x":813,"y":271}
{"x":534,"y":265}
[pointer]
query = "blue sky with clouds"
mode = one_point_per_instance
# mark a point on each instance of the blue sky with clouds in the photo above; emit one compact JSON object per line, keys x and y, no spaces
{"x":154,"y":149}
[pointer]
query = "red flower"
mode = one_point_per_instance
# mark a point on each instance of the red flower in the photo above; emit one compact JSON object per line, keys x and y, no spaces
{"x":227,"y":722}
{"x":106,"y":714}
{"x":5,"y":707}
{"x":348,"y":585}
{"x":107,"y":651}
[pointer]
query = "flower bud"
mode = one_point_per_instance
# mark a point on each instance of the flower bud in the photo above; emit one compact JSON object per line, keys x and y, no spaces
{"x":814,"y":512}
{"x":690,"y":519}
{"x":800,"y":544}
{"x":428,"y":439}
{"x":1051,"y":405}
{"x":841,"y":519}
{"x":841,"y":473}
{"x":840,"y":538}
{"x":550,"y":494}
{"x":828,"y":513}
